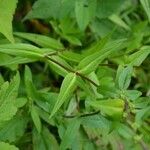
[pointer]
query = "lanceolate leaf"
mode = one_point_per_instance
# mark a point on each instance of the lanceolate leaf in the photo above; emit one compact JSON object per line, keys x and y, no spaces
{"x":41,"y":40}
{"x":146,"y":6}
{"x":124,"y":77}
{"x":138,"y":57}
{"x":91,"y":62}
{"x":7,"y":9}
{"x":36,"y":118}
{"x":22,"y":50}
{"x":66,"y":90}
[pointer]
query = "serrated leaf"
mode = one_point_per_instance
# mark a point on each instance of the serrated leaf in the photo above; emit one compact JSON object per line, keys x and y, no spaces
{"x":66,"y":90}
{"x":36,"y":118}
{"x":111,"y":107}
{"x":85,"y":11}
{"x":7,"y":9}
{"x":8,"y":95}
{"x":7,"y":146}
{"x":97,"y":121}
{"x":41,"y":40}
{"x":13,"y":129}
{"x":70,"y":134}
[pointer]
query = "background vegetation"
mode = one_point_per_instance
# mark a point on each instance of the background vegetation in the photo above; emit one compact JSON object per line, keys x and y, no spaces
{"x":74,"y":74}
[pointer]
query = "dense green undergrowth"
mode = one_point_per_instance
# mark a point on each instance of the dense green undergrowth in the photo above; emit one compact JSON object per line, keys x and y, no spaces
{"x":75,"y":74}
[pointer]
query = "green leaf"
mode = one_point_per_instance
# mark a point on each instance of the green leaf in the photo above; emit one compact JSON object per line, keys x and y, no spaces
{"x":13,"y":129}
{"x":56,"y":66}
{"x":111,"y":107}
{"x":8,"y":94}
{"x":6,"y":146}
{"x":107,"y":8}
{"x":22,"y":50}
{"x":146,"y":6}
{"x":44,"y":9}
{"x":138,"y":57}
{"x":66,"y":90}
{"x":97,"y":121}
{"x":85,"y":11}
{"x":124,"y":77}
{"x":44,"y":141}
{"x":36,"y":118}
{"x":7,"y":9}
{"x":117,"y":20}
{"x":70,"y":134}
{"x":41,"y":40}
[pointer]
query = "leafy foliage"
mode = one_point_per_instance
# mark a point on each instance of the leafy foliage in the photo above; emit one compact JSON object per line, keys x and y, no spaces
{"x":74,"y":74}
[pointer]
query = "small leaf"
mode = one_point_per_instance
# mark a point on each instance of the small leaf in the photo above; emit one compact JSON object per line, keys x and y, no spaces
{"x":124,"y":77}
{"x":41,"y":40}
{"x":7,"y":9}
{"x":66,"y":90}
{"x":36,"y":118}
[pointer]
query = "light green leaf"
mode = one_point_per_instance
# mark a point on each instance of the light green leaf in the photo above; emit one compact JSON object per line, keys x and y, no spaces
{"x":91,"y":62}
{"x":8,"y":94}
{"x":66,"y":90}
{"x":85,"y":11}
{"x":138,"y":57}
{"x":13,"y":129}
{"x":7,"y":9}
{"x":6,"y":146}
{"x":70,"y":134}
{"x":55,"y":65}
{"x":124,"y":77}
{"x":36,"y":118}
{"x":41,"y":40}
{"x":22,"y":50}
{"x":146,"y":6}
{"x":111,"y":107}
{"x":117,"y":20}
